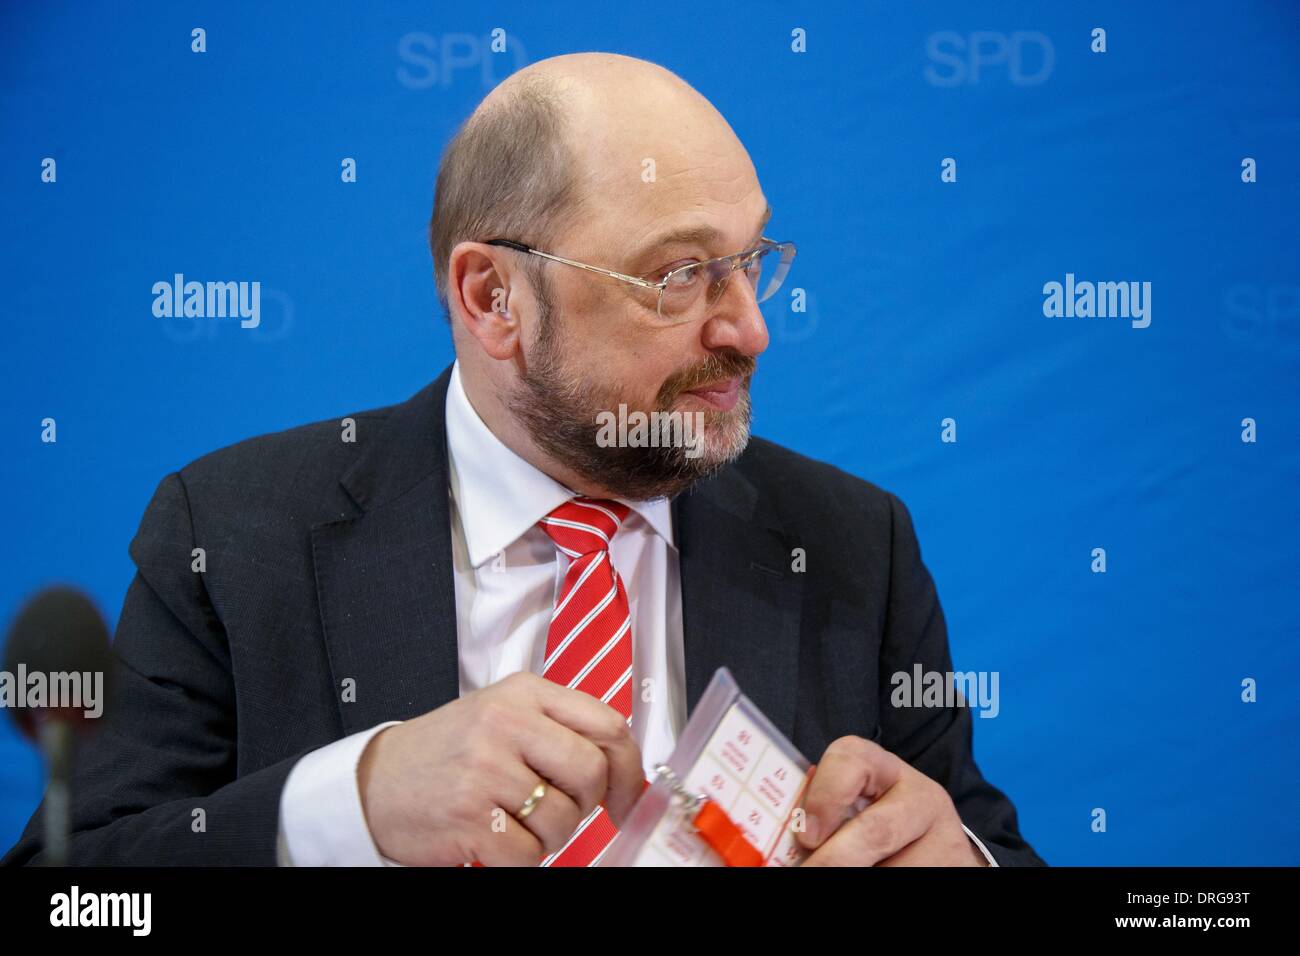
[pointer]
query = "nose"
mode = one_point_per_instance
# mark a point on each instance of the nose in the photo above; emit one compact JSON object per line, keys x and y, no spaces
{"x":735,"y":320}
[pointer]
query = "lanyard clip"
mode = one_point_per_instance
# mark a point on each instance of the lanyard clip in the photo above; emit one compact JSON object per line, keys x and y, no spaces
{"x":711,"y":823}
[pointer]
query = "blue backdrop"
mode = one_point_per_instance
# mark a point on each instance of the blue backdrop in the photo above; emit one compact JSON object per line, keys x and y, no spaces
{"x":1119,"y":690}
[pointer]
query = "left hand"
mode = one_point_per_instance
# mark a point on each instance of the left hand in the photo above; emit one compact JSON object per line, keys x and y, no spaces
{"x":910,"y":821}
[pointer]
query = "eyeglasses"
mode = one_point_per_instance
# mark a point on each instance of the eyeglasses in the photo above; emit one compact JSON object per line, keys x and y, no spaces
{"x":688,"y":292}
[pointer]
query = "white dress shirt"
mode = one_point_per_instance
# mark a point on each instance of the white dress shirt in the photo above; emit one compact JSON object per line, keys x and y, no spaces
{"x":507,"y":573}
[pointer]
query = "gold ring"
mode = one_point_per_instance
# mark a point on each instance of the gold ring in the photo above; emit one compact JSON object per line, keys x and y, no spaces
{"x":531,"y":803}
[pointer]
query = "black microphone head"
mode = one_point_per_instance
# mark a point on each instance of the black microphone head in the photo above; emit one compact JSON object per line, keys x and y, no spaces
{"x":56,"y":647}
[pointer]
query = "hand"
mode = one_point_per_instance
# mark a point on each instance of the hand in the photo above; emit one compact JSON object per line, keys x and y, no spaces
{"x":910,"y":820}
{"x":432,"y":788}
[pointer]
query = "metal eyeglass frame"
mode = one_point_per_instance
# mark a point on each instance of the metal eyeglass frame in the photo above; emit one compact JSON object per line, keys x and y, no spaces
{"x":738,"y":260}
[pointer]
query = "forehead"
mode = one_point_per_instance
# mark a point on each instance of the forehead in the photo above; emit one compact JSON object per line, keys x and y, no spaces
{"x":643,"y":185}
{"x":712,"y":216}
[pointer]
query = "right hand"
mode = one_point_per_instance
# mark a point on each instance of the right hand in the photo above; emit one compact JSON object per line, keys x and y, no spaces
{"x":432,"y":787}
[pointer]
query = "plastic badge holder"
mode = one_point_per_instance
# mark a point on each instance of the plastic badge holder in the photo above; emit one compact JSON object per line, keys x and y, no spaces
{"x":731,"y":775}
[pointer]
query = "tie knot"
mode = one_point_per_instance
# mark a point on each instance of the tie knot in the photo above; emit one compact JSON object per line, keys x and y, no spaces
{"x":584,"y":525}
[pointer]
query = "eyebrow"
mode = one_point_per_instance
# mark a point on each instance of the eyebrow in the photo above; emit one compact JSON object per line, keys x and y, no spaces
{"x":695,"y":235}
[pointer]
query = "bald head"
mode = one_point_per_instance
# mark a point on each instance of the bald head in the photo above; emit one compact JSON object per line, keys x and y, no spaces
{"x":618,"y":111}
{"x":583,"y":137}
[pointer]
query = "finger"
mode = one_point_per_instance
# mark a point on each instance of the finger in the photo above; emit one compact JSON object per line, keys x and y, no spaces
{"x":851,"y":768}
{"x":927,"y":851}
{"x":607,"y":729}
{"x":553,"y":818}
{"x":880,"y":831}
{"x":506,"y":842}
{"x":567,"y":760}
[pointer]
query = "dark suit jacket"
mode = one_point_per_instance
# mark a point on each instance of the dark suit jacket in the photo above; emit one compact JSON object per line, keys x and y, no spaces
{"x":329,"y":560}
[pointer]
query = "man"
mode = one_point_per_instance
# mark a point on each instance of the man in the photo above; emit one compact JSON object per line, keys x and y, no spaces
{"x":464,"y":628}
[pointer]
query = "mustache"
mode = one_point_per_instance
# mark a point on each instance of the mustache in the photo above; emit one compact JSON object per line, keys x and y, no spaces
{"x":715,"y":367}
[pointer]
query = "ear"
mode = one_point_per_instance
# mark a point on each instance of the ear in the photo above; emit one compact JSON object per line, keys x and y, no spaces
{"x":478,"y":288}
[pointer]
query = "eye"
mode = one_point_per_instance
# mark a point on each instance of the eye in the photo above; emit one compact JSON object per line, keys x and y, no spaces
{"x":682,"y":278}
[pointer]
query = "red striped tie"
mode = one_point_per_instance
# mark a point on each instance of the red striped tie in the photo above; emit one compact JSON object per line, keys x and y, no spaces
{"x":589,"y":643}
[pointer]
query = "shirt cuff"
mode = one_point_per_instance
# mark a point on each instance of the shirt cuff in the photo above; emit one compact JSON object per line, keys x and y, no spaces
{"x":983,"y":849}
{"x":321,"y":819}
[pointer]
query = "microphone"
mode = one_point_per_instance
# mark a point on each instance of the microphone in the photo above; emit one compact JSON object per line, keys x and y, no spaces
{"x":57,"y":662}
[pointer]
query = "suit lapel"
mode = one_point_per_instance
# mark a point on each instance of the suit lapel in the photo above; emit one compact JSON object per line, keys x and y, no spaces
{"x":384,"y":577}
{"x":740,"y":599}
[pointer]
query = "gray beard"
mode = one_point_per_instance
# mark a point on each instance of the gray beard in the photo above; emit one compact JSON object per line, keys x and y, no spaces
{"x":558,"y":410}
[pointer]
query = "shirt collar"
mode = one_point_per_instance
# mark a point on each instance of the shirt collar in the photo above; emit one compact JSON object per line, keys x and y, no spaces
{"x":499,"y":495}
